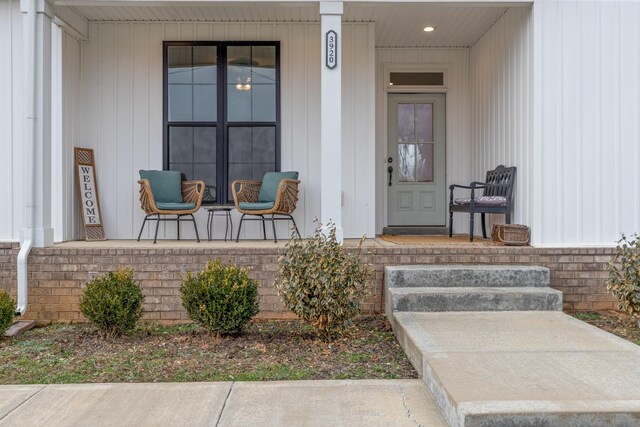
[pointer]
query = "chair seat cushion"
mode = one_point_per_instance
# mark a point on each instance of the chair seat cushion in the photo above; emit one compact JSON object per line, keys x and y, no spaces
{"x":166,"y":186}
{"x":168,"y":206}
{"x":483,"y":201}
{"x":270,"y":183}
{"x":259,"y":206}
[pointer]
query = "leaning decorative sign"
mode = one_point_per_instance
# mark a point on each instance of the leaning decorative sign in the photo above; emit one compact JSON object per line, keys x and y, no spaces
{"x":88,"y":192}
{"x":331,"y":49}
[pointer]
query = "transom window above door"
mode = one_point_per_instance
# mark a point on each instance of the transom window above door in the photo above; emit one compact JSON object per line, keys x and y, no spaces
{"x":221,"y":112}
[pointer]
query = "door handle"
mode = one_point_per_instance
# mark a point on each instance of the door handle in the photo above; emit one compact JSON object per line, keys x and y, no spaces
{"x":390,"y":170}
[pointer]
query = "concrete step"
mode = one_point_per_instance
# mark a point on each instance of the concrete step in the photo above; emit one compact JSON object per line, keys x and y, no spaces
{"x":465,"y":276}
{"x":473,"y":299}
{"x":522,"y":368}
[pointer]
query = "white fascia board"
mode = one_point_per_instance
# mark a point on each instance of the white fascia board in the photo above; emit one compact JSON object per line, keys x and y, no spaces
{"x":229,"y":2}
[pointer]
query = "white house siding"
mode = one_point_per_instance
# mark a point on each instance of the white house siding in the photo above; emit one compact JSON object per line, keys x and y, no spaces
{"x":66,"y":116}
{"x":459,"y":162}
{"x":587,"y":121}
{"x":501,"y":100}
{"x":122,"y":115}
{"x":11,"y":121}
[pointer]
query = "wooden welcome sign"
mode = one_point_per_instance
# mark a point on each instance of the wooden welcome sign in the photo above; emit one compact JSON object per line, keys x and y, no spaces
{"x":88,"y":194}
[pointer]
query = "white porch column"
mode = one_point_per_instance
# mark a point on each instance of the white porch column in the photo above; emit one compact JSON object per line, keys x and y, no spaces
{"x":37,"y":16}
{"x":331,"y":116}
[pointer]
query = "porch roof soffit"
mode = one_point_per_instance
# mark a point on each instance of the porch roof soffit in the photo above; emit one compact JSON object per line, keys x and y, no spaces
{"x":397,"y":24}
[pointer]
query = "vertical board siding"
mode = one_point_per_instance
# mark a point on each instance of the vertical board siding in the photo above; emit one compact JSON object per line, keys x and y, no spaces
{"x":588,"y":103}
{"x":458,"y":150}
{"x":122,"y":117}
{"x":501,"y":98}
{"x":11,"y":121}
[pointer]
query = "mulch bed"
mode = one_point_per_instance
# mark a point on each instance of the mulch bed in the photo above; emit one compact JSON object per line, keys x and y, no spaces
{"x":616,"y":322}
{"x":274,"y":350}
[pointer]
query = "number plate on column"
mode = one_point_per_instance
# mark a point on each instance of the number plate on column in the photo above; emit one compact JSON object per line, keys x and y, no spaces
{"x":331,"y":49}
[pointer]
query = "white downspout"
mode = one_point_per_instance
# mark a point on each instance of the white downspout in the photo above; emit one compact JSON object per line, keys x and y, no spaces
{"x":30,"y":22}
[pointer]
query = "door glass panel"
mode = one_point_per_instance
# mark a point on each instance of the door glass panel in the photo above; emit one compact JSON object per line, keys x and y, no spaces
{"x":406,"y":122}
{"x":193,"y":152}
{"x":424,"y":122}
{"x":424,"y":163}
{"x":406,"y":162}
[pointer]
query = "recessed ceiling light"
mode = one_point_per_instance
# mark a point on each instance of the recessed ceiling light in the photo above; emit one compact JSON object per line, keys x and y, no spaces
{"x":429,"y":29}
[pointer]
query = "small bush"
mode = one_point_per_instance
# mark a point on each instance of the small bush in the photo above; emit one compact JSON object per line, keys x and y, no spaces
{"x":7,"y":311}
{"x":113,"y":302}
{"x":624,"y":275}
{"x":322,"y":283}
{"x":222,"y":298}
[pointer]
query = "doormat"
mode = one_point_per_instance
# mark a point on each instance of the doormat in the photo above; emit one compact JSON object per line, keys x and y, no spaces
{"x":458,"y":240}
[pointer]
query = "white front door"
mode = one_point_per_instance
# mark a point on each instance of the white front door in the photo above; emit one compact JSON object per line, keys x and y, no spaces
{"x":416,"y":160}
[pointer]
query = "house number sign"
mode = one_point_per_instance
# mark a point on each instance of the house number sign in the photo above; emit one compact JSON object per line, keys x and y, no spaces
{"x":88,"y":194}
{"x":331,"y":47}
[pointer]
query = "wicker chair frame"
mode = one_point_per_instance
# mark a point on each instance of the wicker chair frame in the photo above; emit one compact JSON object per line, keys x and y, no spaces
{"x":284,"y":205}
{"x":192,"y":192}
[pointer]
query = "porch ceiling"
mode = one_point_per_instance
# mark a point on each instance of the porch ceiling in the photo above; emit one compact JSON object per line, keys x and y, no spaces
{"x":397,"y":24}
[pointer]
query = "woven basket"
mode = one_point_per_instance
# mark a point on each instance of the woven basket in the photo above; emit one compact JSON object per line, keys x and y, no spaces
{"x":511,"y":234}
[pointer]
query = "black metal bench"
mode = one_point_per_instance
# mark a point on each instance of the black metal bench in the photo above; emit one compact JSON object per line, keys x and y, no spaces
{"x":497,"y":198}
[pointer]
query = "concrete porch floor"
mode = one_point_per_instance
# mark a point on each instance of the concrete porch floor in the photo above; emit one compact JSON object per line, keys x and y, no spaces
{"x":461,"y":241}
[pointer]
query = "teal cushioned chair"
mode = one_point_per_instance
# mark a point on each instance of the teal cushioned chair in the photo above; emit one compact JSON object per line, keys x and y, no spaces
{"x":165,"y":193}
{"x":276,"y":195}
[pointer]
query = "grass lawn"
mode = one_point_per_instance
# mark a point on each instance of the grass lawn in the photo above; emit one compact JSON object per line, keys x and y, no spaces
{"x":616,"y":322}
{"x":275,"y":350}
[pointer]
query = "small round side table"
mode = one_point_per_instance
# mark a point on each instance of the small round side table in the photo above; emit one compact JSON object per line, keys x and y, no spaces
{"x":220,"y":211}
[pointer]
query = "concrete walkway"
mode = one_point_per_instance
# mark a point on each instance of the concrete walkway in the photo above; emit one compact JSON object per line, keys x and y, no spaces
{"x":523,"y":368}
{"x":287,"y":403}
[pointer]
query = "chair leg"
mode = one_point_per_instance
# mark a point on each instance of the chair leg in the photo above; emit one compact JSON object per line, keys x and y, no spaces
{"x":226,"y":225}
{"x":230,"y":226}
{"x":195,"y":226}
{"x":239,"y":228}
{"x":450,"y":224}
{"x":471,"y":226}
{"x":155,"y":237}
{"x":273,"y":224}
{"x":484,"y":227}
{"x":142,"y":228}
{"x":178,"y":221}
{"x":264,"y":228}
{"x":296,"y":227}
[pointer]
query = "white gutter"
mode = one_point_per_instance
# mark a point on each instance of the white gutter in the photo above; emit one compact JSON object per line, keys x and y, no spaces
{"x":30,"y":23}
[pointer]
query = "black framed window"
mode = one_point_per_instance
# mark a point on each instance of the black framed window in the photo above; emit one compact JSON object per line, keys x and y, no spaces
{"x":221,"y":112}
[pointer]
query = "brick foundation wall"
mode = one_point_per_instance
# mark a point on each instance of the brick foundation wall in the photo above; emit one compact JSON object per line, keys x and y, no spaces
{"x":58,"y":274}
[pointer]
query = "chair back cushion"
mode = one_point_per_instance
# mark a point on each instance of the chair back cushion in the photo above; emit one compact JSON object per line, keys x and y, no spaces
{"x":270,"y":183}
{"x":166,"y":186}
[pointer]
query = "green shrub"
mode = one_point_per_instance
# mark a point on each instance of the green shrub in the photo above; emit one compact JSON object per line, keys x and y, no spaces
{"x":322,"y":283}
{"x":221,"y":298}
{"x":624,"y":275}
{"x":7,"y":311}
{"x":113,"y":302}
